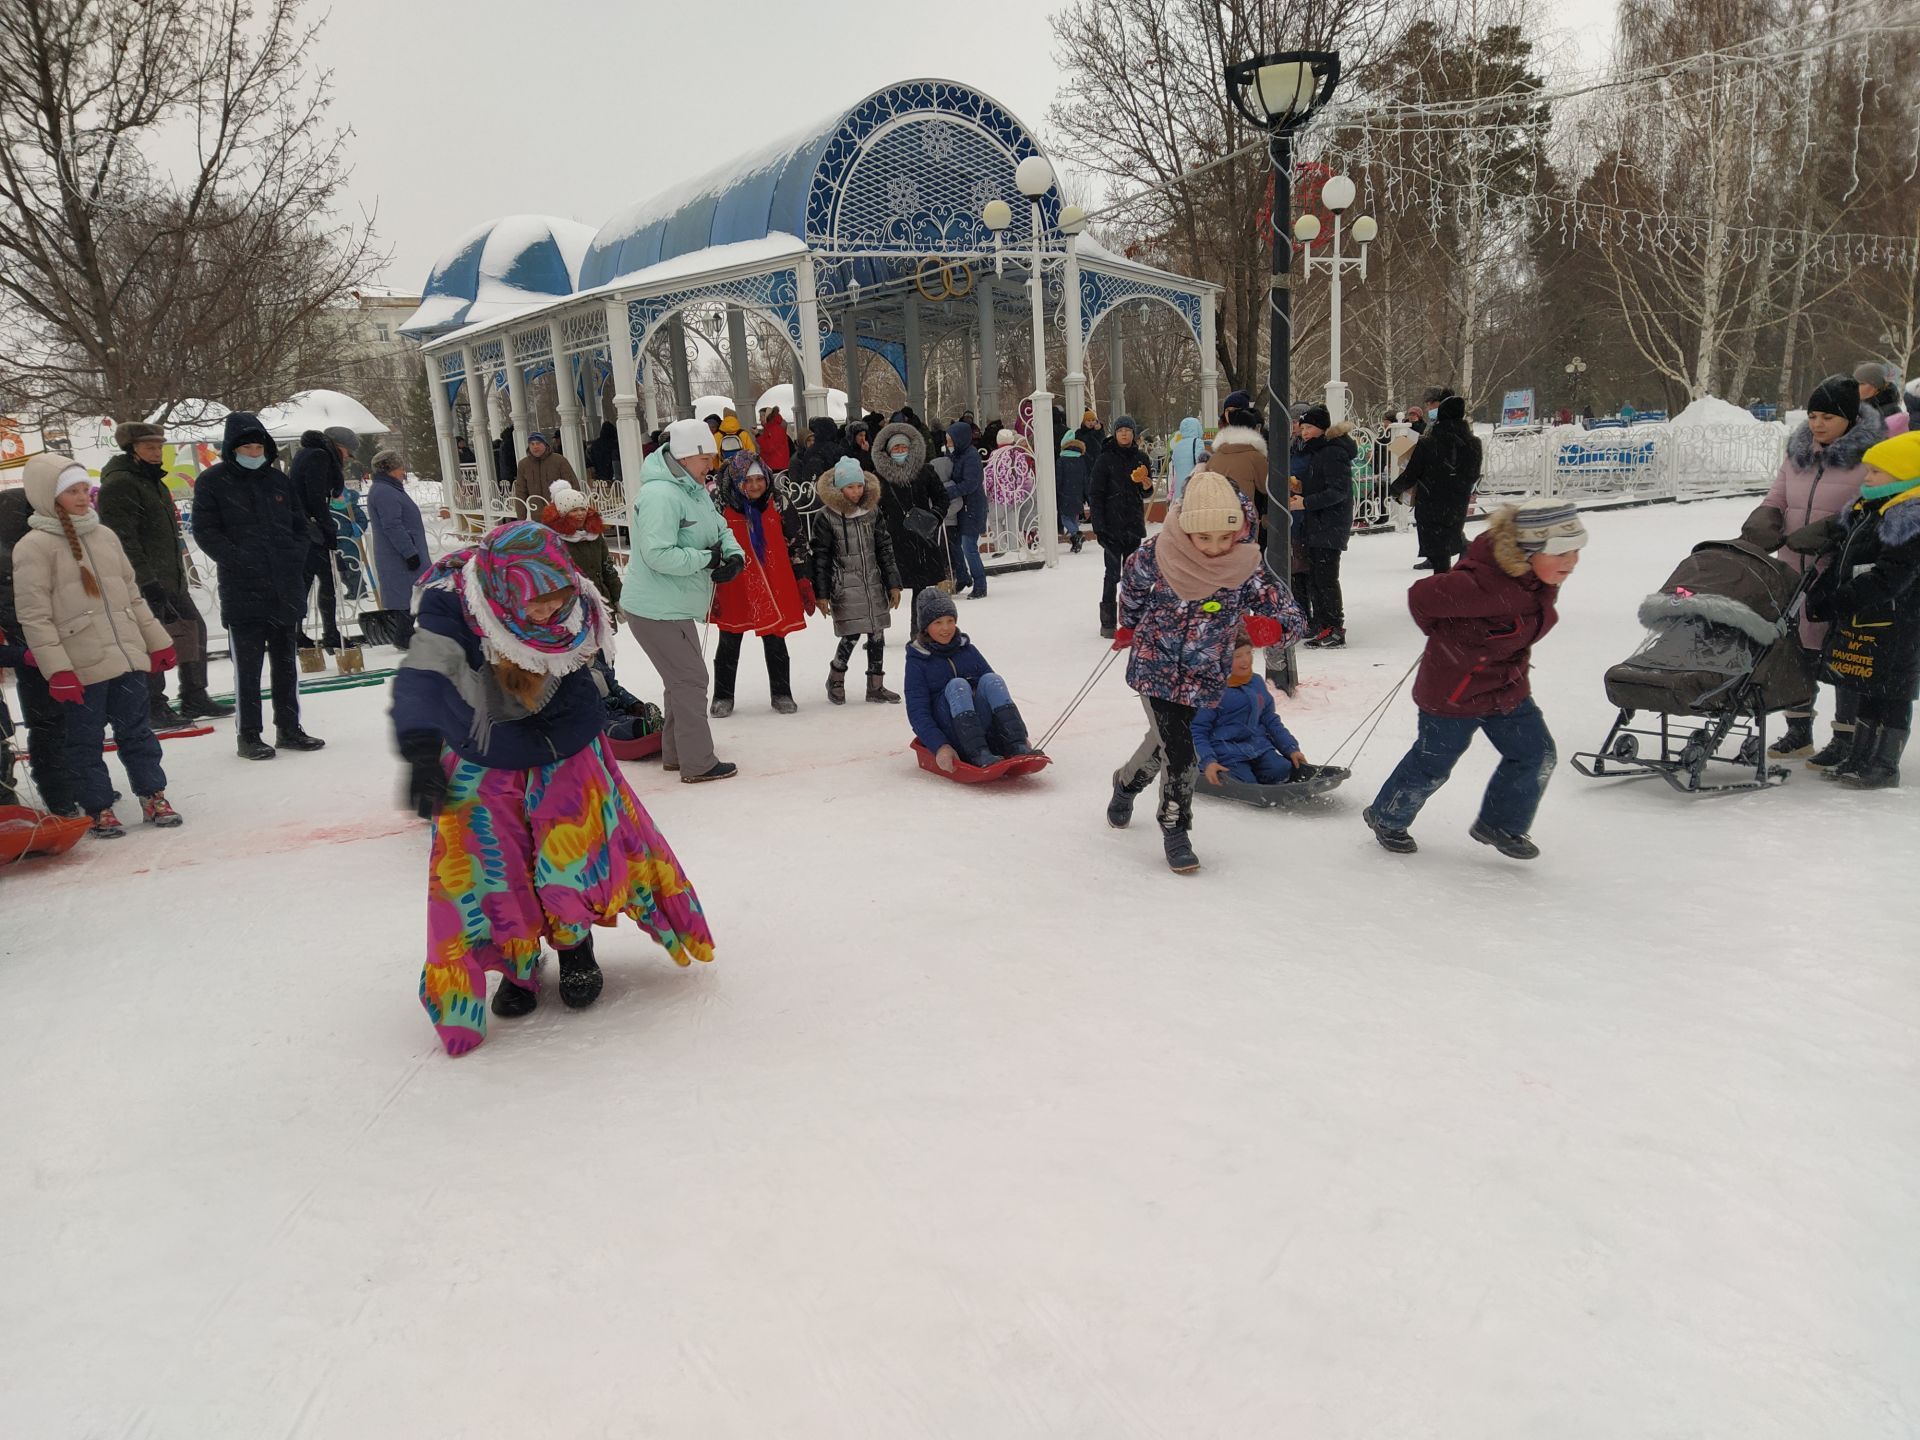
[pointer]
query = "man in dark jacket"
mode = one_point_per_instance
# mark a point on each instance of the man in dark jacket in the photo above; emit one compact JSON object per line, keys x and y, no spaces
{"x":1442,"y":474}
{"x":250,"y":522}
{"x":967,"y":483}
{"x":136,"y":505}
{"x":1117,"y":491}
{"x":44,"y":716}
{"x":1323,"y":518}
{"x":1092,"y":436}
{"x":319,"y":473}
{"x":822,"y":452}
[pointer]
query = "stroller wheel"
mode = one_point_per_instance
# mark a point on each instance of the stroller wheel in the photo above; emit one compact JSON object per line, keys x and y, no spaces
{"x":1626,"y":747}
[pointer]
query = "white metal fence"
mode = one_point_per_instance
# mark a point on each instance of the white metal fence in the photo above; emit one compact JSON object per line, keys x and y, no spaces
{"x":1651,"y":462}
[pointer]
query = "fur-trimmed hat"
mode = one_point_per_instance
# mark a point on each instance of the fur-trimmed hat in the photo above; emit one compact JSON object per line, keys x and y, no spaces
{"x":134,"y":431}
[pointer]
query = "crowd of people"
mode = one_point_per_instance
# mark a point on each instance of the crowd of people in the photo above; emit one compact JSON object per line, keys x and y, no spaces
{"x":505,"y":704}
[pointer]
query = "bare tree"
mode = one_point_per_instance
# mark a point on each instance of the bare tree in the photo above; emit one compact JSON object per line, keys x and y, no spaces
{"x":126,"y":285}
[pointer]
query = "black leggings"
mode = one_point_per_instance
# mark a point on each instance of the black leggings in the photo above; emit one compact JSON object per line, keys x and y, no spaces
{"x":726,"y":665}
{"x":1167,"y":751}
{"x":876,"y":652}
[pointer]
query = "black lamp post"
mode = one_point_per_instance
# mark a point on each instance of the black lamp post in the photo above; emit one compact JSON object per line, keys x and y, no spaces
{"x":1280,"y":93}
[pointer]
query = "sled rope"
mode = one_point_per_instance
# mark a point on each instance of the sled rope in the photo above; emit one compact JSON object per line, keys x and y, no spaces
{"x":1087,"y":687}
{"x":1376,"y":715}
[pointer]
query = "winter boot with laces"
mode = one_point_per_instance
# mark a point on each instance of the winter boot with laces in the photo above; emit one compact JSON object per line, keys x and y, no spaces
{"x":1795,"y":741}
{"x":970,"y":740}
{"x":252,"y":747}
{"x":292,"y":737}
{"x":1835,"y":752}
{"x":1514,"y":847}
{"x":195,"y":702}
{"x":107,"y":826}
{"x":1180,"y":857}
{"x":160,"y":714}
{"x":1398,"y":842}
{"x":877,"y":692}
{"x":580,"y":978}
{"x":1879,"y":768}
{"x":837,"y":684}
{"x":1120,"y":807}
{"x":155,"y":810}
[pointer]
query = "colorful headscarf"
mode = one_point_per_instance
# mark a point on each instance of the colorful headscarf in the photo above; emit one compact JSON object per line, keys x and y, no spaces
{"x":739,"y":467}
{"x":497,"y":578}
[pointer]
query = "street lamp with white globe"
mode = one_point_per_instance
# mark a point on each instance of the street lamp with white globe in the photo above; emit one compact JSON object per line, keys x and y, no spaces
{"x":1337,"y":195}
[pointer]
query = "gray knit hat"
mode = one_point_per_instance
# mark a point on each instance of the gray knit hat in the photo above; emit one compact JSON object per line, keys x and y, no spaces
{"x":933,"y":604}
{"x":1872,"y":373}
{"x":1548,"y":527}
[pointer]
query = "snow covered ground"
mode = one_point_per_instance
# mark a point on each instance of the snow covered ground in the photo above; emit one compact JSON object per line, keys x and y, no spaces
{"x":982,"y":1124}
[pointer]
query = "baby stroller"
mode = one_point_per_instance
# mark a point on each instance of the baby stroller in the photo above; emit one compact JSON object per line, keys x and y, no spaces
{"x":1721,"y":649}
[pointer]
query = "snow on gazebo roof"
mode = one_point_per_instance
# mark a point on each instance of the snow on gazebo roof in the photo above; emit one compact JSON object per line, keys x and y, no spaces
{"x":499,"y":269}
{"x":289,"y":420}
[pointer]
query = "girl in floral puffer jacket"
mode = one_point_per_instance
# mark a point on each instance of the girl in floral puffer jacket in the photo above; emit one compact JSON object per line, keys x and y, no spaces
{"x":1184,"y":596}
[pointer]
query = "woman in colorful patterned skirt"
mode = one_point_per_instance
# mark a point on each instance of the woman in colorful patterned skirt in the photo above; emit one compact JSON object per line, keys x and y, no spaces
{"x":536,"y":834}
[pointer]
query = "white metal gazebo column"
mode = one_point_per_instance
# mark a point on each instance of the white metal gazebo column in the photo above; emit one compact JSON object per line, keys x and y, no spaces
{"x":626,"y":401}
{"x":442,"y":427}
{"x":516,"y":402}
{"x":1209,"y":375}
{"x":573,"y":440}
{"x":677,"y":367}
{"x":1076,"y":381}
{"x":916,"y":359}
{"x":478,"y":403}
{"x":808,"y":305}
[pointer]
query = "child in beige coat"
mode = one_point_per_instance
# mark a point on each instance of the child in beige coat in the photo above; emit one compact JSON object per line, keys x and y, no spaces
{"x":91,"y":634}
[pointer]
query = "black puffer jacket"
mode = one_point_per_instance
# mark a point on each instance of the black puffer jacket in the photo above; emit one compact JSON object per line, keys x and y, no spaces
{"x":1442,"y":473}
{"x":912,"y":486}
{"x":1117,"y":504}
{"x":14,"y":510}
{"x":318,"y":477}
{"x":253,"y":527}
{"x":1326,"y":491}
{"x":820,"y":456}
{"x":1871,"y":593}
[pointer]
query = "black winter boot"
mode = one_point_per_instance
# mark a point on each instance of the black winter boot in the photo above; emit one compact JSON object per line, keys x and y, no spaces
{"x":580,"y":978}
{"x":1109,"y":618}
{"x":160,"y":714}
{"x":1180,"y":857}
{"x":511,"y":1001}
{"x":1011,"y":728}
{"x":1398,"y":842}
{"x":252,"y":747}
{"x":292,"y":737}
{"x":195,"y":702}
{"x":1795,"y":741}
{"x":1514,"y":847}
{"x":1857,"y":752}
{"x":837,"y":684}
{"x":1834,"y":753}
{"x":780,"y":682}
{"x":970,"y":740}
{"x":1879,"y":768}
{"x":877,"y":692}
{"x":1120,"y":807}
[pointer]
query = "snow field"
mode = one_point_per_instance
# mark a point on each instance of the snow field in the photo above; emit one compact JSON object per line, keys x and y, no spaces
{"x":982,"y":1124}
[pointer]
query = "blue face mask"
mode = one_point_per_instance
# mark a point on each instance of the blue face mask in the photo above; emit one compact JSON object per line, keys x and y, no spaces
{"x":251,"y":462}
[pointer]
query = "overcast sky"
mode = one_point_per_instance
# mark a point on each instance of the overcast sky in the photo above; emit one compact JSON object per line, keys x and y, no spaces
{"x":463,"y":113}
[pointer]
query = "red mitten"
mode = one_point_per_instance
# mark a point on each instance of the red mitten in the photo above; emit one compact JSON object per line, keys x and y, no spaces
{"x":1264,"y":631}
{"x":1123,"y":637}
{"x":806,"y":597}
{"x":27,"y":660}
{"x":163,"y":660}
{"x":66,"y":687}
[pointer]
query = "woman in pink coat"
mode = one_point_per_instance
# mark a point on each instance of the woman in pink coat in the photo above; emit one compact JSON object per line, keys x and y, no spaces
{"x":1819,"y":478}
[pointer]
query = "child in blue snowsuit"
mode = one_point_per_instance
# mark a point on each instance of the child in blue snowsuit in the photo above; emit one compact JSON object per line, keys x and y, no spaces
{"x":1243,"y":736}
{"x":959,"y":709}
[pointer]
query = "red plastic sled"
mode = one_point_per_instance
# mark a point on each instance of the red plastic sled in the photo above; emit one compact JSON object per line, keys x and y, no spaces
{"x":34,"y":832}
{"x":967,"y":774}
{"x":644,"y":747}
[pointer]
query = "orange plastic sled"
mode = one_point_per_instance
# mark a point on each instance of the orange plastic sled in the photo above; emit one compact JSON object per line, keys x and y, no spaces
{"x":967,"y":774}
{"x":34,"y":832}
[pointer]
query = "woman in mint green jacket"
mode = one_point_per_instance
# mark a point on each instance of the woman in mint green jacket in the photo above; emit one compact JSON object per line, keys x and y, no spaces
{"x":681,"y":549}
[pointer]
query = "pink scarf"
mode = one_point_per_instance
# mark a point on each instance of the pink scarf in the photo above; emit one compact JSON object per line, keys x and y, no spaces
{"x":1195,"y":576}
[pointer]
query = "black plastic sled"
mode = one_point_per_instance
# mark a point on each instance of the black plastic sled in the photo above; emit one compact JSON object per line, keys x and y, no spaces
{"x":1283,"y":796}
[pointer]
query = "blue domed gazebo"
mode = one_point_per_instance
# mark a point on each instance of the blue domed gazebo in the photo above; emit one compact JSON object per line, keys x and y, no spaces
{"x":868,"y":227}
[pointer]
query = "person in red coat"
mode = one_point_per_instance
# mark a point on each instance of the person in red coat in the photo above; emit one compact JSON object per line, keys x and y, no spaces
{"x":776,"y":446}
{"x":770,"y":597}
{"x":1482,"y":620}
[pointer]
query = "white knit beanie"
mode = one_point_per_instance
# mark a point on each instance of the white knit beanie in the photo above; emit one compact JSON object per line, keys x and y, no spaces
{"x":567,"y":500}
{"x":1210,"y":504}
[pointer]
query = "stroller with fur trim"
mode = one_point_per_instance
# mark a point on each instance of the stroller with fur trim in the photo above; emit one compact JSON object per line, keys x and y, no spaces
{"x":1721,"y":654}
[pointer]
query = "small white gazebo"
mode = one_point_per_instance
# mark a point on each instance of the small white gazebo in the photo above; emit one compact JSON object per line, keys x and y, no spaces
{"x":870,"y":228}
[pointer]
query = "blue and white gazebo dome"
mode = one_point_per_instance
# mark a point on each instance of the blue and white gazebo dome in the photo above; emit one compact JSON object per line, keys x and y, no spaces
{"x":500,"y":269}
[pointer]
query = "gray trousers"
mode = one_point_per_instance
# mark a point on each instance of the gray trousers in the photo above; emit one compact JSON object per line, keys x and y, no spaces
{"x":674,"y":648}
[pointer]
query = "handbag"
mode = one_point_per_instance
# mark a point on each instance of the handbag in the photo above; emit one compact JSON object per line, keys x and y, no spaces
{"x":923,"y":525}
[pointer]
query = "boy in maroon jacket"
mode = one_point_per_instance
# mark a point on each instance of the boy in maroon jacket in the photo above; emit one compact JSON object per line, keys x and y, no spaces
{"x":1481,"y":621}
